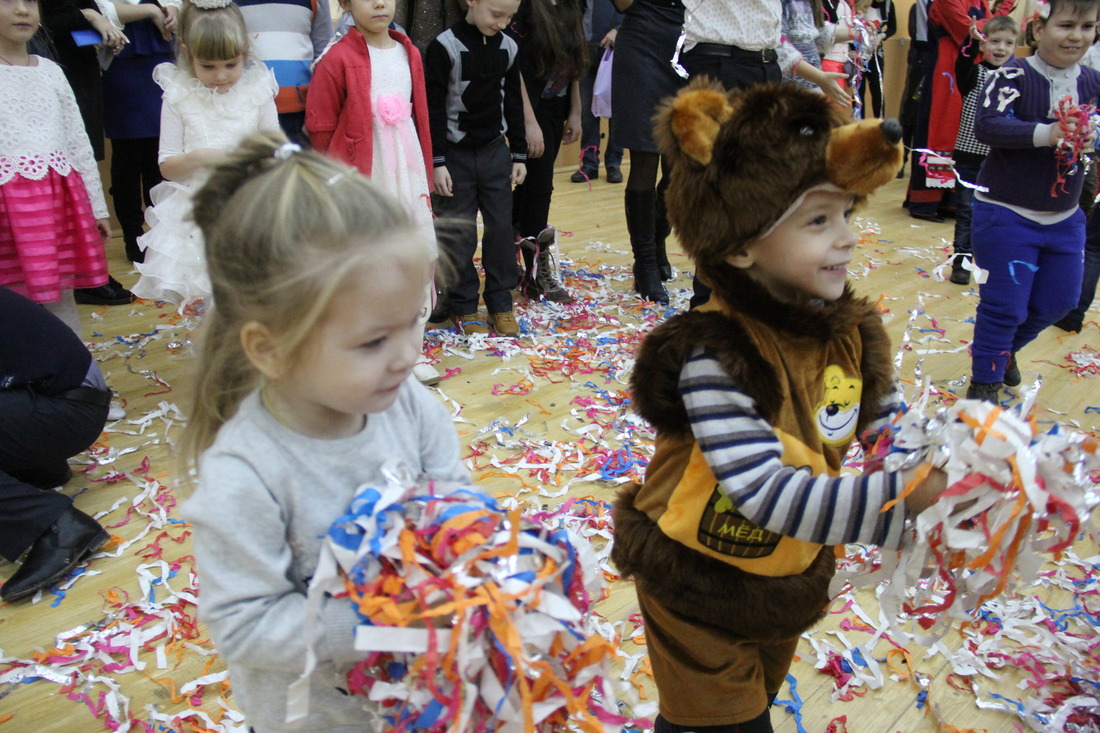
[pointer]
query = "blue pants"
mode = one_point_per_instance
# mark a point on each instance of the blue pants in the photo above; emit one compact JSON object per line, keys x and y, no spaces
{"x":1034,"y":279}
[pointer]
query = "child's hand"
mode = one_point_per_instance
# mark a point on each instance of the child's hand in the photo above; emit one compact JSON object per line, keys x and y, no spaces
{"x":112,"y":36}
{"x":830,"y":85}
{"x":826,"y":81}
{"x":1059,"y":132}
{"x":442,"y":180}
{"x":536,"y":145}
{"x":572,"y":131}
{"x":171,"y":13}
{"x":519,"y":173}
{"x":927,"y":492}
{"x":104,"y":227}
{"x":160,"y":20}
{"x":976,"y":34}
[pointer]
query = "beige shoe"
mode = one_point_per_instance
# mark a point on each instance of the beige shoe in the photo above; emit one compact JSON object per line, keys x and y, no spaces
{"x":470,"y":323}
{"x":504,"y":323}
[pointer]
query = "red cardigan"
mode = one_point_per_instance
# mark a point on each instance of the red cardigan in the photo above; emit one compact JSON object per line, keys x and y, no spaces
{"x":339,"y":118}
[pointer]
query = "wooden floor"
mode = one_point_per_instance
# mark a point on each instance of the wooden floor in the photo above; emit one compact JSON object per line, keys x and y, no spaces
{"x":542,"y":418}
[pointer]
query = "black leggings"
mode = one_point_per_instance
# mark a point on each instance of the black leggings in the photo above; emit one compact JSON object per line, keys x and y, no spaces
{"x":531,"y":199}
{"x":134,"y":172}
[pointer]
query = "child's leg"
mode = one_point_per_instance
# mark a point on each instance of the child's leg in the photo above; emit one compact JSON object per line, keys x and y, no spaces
{"x":1004,"y":246}
{"x":498,"y":246}
{"x":1012,"y":248}
{"x":532,"y":203}
{"x":707,"y":677}
{"x":65,"y":309}
{"x":1075,"y":319}
{"x":1057,"y":283}
{"x":590,"y":128}
{"x":964,"y":205}
{"x":461,"y":244}
{"x":760,"y":724}
{"x":964,"y":198}
{"x":775,"y":659}
{"x":126,"y":190}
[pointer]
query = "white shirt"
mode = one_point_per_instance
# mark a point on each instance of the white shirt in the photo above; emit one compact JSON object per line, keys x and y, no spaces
{"x":754,"y":25}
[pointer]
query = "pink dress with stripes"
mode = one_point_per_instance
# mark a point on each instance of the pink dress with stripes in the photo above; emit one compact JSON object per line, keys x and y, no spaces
{"x":50,"y":192}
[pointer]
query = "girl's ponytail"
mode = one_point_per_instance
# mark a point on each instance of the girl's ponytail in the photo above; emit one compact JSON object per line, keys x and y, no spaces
{"x":254,"y":156}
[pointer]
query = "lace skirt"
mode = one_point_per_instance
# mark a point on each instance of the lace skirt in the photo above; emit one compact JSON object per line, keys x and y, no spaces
{"x":48,"y":237}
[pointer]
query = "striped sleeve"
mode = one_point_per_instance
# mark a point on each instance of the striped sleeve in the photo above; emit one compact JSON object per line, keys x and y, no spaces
{"x":889,"y":404}
{"x":746,"y":457}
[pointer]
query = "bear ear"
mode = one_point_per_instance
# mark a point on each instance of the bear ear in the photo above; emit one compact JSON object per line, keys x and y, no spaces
{"x":694,"y":119}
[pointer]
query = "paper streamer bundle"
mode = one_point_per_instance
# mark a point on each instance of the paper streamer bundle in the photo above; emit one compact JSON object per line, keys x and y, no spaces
{"x":1013,"y":492}
{"x":473,"y":618}
{"x":1077,"y":124}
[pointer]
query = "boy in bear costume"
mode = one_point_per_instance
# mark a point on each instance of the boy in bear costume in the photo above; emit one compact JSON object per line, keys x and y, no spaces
{"x":755,"y":398}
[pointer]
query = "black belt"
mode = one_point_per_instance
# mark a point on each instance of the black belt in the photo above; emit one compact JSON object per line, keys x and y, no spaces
{"x":766,"y":56}
{"x":86,"y":394}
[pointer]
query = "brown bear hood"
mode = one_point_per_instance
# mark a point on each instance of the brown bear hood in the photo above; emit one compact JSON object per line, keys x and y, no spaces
{"x":741,"y":159}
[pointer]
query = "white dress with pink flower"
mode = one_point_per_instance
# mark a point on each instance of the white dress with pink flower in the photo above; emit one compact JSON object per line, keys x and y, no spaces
{"x":398,"y":163}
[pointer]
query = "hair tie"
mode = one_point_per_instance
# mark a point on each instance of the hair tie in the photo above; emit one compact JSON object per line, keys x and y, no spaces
{"x":337,"y":177}
{"x":211,"y":4}
{"x":284,"y":151}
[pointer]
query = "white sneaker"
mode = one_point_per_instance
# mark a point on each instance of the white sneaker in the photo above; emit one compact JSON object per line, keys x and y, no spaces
{"x":426,"y":374}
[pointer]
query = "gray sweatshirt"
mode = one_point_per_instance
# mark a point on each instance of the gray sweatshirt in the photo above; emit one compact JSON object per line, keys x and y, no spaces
{"x":266,"y":497}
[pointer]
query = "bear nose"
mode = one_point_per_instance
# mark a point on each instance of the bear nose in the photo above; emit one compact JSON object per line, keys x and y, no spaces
{"x":891,"y":128}
{"x":832,"y":410}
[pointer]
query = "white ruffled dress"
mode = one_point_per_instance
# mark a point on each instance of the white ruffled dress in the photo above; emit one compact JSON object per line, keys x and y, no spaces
{"x":195,"y":117}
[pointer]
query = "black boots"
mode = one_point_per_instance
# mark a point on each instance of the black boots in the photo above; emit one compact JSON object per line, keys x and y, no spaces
{"x":1012,"y":376}
{"x":641,"y":207}
{"x":959,"y":274}
{"x":62,"y":547}
{"x":983,"y":391}
{"x":661,"y":229}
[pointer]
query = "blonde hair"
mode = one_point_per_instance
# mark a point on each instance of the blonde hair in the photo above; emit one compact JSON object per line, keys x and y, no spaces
{"x":211,"y":34}
{"x":282,"y":238}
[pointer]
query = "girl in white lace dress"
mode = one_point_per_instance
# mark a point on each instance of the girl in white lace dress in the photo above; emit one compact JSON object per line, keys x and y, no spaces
{"x":367,"y":106}
{"x":53,"y":217}
{"x":213,"y":98}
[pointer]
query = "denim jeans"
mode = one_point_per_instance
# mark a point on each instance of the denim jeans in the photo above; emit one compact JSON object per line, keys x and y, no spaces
{"x":964,"y":208}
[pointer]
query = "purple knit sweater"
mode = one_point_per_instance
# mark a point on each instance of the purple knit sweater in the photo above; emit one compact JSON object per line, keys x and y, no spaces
{"x":1018,"y":98}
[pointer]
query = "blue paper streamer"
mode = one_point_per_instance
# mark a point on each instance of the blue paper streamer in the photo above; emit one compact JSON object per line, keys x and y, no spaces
{"x":1012,"y":269}
{"x":794,"y":705}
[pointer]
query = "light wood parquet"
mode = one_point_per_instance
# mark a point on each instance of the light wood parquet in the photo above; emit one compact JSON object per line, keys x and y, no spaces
{"x":893,"y":263}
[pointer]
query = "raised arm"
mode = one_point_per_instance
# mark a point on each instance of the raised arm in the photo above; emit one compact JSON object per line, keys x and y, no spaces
{"x":744,"y":453}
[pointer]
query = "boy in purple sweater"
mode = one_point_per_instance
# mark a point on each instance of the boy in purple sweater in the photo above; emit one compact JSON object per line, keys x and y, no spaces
{"x":1028,"y":231}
